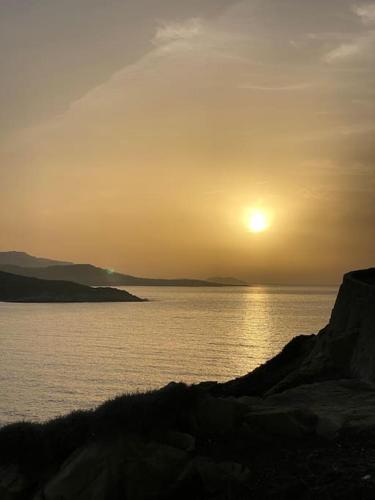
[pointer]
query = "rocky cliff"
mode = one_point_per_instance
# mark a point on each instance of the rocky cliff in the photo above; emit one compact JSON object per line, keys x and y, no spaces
{"x":300,"y":426}
{"x":352,"y":325}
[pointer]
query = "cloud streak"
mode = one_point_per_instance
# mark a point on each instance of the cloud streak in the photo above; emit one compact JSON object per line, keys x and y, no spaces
{"x":169,"y":32}
{"x":366,"y":12}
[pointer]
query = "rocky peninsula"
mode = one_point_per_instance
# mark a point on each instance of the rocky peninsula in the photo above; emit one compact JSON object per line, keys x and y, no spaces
{"x":300,"y":426}
{"x":14,"y":288}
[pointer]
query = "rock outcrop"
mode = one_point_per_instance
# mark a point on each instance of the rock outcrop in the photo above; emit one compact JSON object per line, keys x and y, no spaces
{"x":345,"y":348}
{"x":300,"y":426}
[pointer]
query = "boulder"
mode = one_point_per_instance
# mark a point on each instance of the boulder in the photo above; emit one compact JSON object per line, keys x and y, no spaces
{"x":86,"y":475}
{"x":329,"y":426}
{"x":278,"y":421}
{"x":215,"y":416}
{"x":14,"y":485}
{"x":180,"y":440}
{"x":337,"y":405}
{"x":204,"y":478}
{"x":127,"y":467}
{"x":151,"y":472}
{"x":215,"y":475}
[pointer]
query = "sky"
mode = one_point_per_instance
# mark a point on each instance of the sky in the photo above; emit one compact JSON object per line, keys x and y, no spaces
{"x":138,"y":135}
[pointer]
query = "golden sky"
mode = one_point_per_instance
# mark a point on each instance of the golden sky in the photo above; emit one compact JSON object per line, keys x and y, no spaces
{"x":137,"y":135}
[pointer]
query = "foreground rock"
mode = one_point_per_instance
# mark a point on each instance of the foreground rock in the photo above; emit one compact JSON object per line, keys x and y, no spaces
{"x":14,"y":288}
{"x":300,"y":426}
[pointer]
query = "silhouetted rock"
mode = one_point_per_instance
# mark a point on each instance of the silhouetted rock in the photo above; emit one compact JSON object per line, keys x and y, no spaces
{"x":300,"y":426}
{"x":346,"y":347}
{"x":14,"y":288}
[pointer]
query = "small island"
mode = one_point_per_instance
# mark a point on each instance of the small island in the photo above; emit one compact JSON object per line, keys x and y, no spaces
{"x":14,"y":288}
{"x":300,"y":426}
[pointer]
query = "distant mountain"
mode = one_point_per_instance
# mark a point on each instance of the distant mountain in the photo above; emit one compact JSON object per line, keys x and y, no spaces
{"x":23,"y":259}
{"x":87,"y":274}
{"x":228,"y":281}
{"x":24,"y":289}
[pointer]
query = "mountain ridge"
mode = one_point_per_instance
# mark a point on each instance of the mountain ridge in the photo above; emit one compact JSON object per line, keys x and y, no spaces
{"x":24,"y":259}
{"x":90,"y":275}
{"x":227,"y":280}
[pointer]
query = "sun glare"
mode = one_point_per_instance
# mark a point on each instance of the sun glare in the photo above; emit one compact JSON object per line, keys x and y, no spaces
{"x":258,"y":221}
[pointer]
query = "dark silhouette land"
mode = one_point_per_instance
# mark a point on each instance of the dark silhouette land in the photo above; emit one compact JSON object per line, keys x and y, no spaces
{"x":85,"y":274}
{"x":228,"y":280}
{"x":14,"y":288}
{"x":24,"y":259}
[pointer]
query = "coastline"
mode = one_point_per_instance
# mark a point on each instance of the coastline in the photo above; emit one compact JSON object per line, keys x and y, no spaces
{"x":301,"y":425}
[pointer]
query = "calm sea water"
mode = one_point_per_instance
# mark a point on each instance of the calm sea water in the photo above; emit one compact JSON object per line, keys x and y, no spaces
{"x":60,"y":357}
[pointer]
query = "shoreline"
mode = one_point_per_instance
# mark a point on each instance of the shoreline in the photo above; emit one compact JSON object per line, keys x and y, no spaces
{"x":299,"y":425}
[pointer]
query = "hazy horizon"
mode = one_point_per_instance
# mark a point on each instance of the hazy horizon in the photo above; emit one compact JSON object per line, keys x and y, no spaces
{"x":140,"y":135}
{"x":200,"y":277}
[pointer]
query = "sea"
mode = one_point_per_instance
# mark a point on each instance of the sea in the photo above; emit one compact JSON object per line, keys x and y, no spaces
{"x":55,"y":358}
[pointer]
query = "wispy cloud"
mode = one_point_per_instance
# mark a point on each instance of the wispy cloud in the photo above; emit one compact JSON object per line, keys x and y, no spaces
{"x":277,"y":88}
{"x":343,"y":51}
{"x":344,"y":130}
{"x":329,"y":36}
{"x":361,"y":47}
{"x":366,"y":12}
{"x":361,"y":44}
{"x":169,"y":32}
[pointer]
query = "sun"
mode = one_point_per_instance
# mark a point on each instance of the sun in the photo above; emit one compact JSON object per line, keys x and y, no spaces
{"x":258,"y":221}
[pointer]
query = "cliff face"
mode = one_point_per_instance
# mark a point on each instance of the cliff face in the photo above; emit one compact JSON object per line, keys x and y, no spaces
{"x":346,"y":346}
{"x":352,"y":323}
{"x":300,"y":426}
